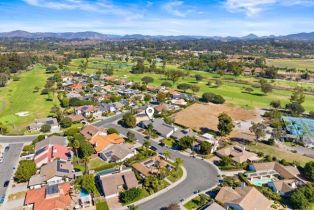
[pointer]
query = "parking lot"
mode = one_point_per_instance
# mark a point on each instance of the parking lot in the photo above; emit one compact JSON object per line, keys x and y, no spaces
{"x":7,"y":166}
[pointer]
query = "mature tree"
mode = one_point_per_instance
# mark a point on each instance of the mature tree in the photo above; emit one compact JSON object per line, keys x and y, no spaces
{"x":108,"y":70}
{"x":88,"y":183}
{"x":147,"y":98}
{"x":275,"y":104}
{"x":308,"y":171}
{"x":302,"y":197}
{"x":139,"y":68}
{"x":173,"y":206}
{"x":198,"y":77}
{"x":76,"y":145}
{"x":205,"y":147}
{"x":129,"y":195}
{"x":146,"y":144}
{"x":3,"y":129}
{"x":147,"y":80}
{"x":295,"y":108}
{"x":45,"y":128}
{"x":131,"y":136}
{"x":85,"y":149}
{"x":25,"y":170}
{"x":211,"y":97}
{"x":112,"y":130}
{"x":66,"y":122}
{"x":186,"y":142}
{"x":259,"y":130}
{"x":178,"y":163}
{"x":195,"y":88}
{"x":167,"y":154}
{"x":161,"y":97}
{"x":184,"y":86}
{"x":266,"y":88}
{"x":128,"y":120}
{"x":298,"y":95}
{"x":166,"y":84}
{"x":225,"y":125}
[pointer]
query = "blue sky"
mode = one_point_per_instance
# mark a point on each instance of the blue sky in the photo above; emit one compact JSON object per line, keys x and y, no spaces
{"x":161,"y":17}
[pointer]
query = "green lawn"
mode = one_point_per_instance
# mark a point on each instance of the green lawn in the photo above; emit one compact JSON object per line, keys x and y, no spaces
{"x":96,"y":163}
{"x":300,"y":64}
{"x":231,"y":91}
{"x":175,"y":176}
{"x":279,"y":153}
{"x":102,"y":205}
{"x":193,"y":204}
{"x":19,"y":96}
{"x":143,"y":194}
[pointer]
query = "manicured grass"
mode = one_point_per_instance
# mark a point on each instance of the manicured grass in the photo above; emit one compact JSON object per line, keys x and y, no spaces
{"x":19,"y":96}
{"x":102,"y":205}
{"x":300,"y":64}
{"x":143,"y":194}
{"x":169,"y":142}
{"x":96,"y":163}
{"x":279,"y":153}
{"x":175,"y":176}
{"x":230,"y":90}
{"x":193,"y":204}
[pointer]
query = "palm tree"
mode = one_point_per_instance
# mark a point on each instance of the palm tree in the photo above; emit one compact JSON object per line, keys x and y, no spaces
{"x":86,"y":160}
{"x":76,"y":145}
{"x":146,"y":144}
{"x":178,"y":163}
{"x":167,"y":154}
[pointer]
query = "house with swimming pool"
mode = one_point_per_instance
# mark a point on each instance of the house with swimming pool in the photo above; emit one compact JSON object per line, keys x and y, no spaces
{"x":273,"y":174}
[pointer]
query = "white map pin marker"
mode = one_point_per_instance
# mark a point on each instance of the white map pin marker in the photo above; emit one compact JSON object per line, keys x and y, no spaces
{"x":150,"y":112}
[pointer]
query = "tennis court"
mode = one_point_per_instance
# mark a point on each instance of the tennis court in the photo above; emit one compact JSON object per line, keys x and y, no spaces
{"x":299,"y":126}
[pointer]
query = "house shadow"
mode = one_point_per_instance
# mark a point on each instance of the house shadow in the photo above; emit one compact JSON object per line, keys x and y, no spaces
{"x":207,"y":130}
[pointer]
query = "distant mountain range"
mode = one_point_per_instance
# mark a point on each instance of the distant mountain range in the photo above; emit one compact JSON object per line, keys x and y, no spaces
{"x":110,"y":37}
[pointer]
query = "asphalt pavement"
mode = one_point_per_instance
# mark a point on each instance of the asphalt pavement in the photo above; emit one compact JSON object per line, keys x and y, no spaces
{"x":201,"y":175}
{"x":7,"y":167}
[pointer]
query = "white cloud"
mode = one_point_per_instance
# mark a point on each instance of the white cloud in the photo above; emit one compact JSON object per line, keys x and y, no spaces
{"x":253,"y":7}
{"x":172,"y":7}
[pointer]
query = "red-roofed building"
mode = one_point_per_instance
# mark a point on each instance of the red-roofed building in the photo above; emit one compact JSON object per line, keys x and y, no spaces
{"x":50,"y":197}
{"x":51,"y":152}
{"x":77,"y":86}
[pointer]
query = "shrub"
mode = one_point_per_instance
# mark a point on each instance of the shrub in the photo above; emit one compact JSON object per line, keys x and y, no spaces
{"x":129,"y":195}
{"x":112,"y":130}
{"x":45,"y":128}
{"x":25,"y":170}
{"x":214,"y":98}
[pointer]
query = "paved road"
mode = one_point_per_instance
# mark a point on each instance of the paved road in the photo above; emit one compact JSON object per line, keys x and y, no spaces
{"x":200,"y":175}
{"x":10,"y":161}
{"x":16,"y":139}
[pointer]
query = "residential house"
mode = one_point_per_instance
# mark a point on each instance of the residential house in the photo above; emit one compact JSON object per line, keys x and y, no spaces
{"x":49,"y":197}
{"x":101,"y":142}
{"x":179,"y":102}
{"x":180,"y":133}
{"x":52,"y":173}
{"x":74,"y":94}
{"x":160,"y":127}
{"x":76,"y":118}
{"x":89,"y":131}
{"x":238,"y":154}
{"x":161,"y":107}
{"x":150,"y":166}
{"x":142,"y":116}
{"x":36,"y":126}
{"x":243,"y":198}
{"x":117,"y":153}
{"x":284,"y":187}
{"x":212,"y":206}
{"x":50,"y":149}
{"x":88,"y":111}
{"x":271,"y":170}
{"x":113,"y":183}
{"x":210,"y":139}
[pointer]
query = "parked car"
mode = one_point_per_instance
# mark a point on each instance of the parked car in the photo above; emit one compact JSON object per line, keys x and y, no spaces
{"x":6,"y":148}
{"x":6,"y":183}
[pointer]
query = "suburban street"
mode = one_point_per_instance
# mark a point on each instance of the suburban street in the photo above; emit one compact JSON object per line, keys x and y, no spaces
{"x":7,"y":167}
{"x":16,"y":139}
{"x":201,"y":175}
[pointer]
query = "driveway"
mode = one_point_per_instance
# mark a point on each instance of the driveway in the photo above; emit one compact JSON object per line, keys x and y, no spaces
{"x":201,"y":175}
{"x":10,"y":161}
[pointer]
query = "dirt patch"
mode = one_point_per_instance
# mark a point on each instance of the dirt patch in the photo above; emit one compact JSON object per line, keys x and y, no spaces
{"x":202,"y":117}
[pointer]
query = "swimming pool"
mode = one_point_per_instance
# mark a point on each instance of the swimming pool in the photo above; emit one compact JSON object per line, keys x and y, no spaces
{"x":106,"y":171}
{"x":84,"y":193}
{"x":260,"y":182}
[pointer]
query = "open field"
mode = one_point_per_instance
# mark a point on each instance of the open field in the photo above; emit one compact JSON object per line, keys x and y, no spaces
{"x":299,"y":64}
{"x":279,"y":153}
{"x":19,"y":96}
{"x":205,"y":116}
{"x":231,"y":91}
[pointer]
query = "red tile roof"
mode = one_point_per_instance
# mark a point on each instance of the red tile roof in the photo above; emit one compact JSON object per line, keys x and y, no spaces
{"x":38,"y":198}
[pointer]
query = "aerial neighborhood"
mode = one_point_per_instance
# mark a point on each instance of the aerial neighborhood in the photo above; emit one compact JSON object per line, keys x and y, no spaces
{"x":92,"y":121}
